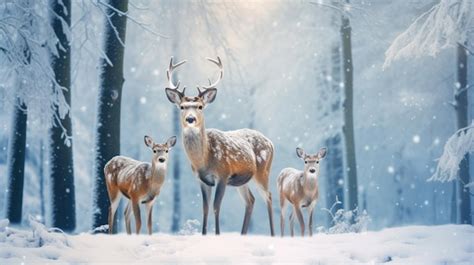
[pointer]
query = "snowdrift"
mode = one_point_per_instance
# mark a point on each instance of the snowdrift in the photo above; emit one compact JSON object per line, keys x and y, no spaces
{"x":447,"y":244}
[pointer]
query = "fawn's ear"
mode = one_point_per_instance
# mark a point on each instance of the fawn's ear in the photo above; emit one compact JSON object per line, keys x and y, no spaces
{"x":149,"y":141}
{"x":171,"y":141}
{"x":209,"y":95}
{"x":300,"y":152}
{"x":173,"y":96}
{"x":322,"y":152}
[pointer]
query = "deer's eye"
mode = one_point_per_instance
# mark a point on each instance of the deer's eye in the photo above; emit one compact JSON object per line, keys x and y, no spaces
{"x":317,"y":162}
{"x":200,"y":107}
{"x":166,"y":151}
{"x":306,"y":162}
{"x":182,"y":107}
{"x":154,"y":151}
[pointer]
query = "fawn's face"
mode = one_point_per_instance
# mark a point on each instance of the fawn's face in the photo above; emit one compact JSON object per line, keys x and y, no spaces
{"x":192,"y":108}
{"x":160,"y":151}
{"x":311,"y":161}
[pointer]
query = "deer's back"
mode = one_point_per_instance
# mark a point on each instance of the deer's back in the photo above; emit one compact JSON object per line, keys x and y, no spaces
{"x":241,"y":151}
{"x":127,"y":174}
{"x":289,"y":181}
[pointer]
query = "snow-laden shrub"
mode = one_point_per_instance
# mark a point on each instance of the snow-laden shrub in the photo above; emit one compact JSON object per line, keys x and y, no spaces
{"x":44,"y":236}
{"x":190,"y":227}
{"x":349,"y":221}
{"x":100,"y":229}
{"x":346,"y":221}
{"x":38,"y":236}
{"x":455,"y":149}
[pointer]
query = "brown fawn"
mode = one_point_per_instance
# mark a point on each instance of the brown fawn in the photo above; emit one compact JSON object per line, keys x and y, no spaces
{"x":140,"y":182}
{"x":221,"y":158}
{"x":300,"y":188}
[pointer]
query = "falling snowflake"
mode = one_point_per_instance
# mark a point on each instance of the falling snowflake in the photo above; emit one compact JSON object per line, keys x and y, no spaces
{"x":391,"y":169}
{"x":416,"y":139}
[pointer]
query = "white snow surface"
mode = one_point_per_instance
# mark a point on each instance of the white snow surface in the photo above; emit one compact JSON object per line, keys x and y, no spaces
{"x":446,"y":244}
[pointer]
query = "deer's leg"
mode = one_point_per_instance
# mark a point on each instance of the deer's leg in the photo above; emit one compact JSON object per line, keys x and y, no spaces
{"x":206,"y":197}
{"x":262,"y":183}
{"x":249,"y":200}
{"x":128,"y":211}
{"x":292,"y":222}
{"x":310,"y":212}
{"x":220,"y":190}
{"x":114,"y":197}
{"x":149,"y":210}
{"x":300,"y":219}
{"x":136,"y":213}
{"x":282,"y":213}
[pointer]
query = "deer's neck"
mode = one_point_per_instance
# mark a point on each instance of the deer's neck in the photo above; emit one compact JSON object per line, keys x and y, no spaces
{"x":310,"y":183}
{"x":196,"y":145}
{"x":157,"y":174}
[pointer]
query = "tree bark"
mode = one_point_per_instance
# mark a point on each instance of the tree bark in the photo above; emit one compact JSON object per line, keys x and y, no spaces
{"x":335,"y":158}
{"x":62,"y":173}
{"x":16,"y":165}
{"x":462,"y":118}
{"x":348,"y":128}
{"x":176,"y":155}
{"x":108,"y":113}
{"x":176,"y":219}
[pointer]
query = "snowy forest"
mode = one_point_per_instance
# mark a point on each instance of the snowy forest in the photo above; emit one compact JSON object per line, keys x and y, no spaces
{"x":371,"y":99}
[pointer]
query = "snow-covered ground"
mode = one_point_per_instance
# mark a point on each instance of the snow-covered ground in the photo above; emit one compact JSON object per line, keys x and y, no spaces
{"x":447,"y":244}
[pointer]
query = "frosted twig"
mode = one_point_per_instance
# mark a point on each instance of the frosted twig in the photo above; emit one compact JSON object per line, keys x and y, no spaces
{"x":131,"y":18}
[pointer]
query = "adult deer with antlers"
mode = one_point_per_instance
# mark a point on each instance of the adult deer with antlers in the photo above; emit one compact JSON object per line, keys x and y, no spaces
{"x":221,"y":158}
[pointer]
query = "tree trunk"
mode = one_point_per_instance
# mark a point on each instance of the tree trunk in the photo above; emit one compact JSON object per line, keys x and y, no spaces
{"x":335,"y":159}
{"x":176,"y":215}
{"x":454,"y":203}
{"x":176,"y":177}
{"x":16,"y":164}
{"x":462,"y":113}
{"x":41,"y":179}
{"x":348,"y":128}
{"x":62,"y":173}
{"x":108,"y":113}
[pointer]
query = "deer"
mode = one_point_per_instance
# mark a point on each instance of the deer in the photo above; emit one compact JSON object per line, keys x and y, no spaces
{"x":221,"y":158}
{"x":139,"y":182}
{"x":300,"y":188}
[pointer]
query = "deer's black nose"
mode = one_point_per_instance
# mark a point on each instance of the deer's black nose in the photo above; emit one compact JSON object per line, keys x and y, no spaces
{"x":190,"y":119}
{"x":312,"y":170}
{"x":161,"y":159}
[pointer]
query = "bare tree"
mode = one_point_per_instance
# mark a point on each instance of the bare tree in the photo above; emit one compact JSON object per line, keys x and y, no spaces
{"x":461,"y":107}
{"x":341,"y":6}
{"x":110,"y":96}
{"x":335,"y":159}
{"x":61,"y":161}
{"x":348,"y":128}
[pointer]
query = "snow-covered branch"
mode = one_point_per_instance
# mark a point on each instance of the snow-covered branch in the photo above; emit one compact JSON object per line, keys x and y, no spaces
{"x":27,"y":41}
{"x":455,"y":149}
{"x":445,"y":25}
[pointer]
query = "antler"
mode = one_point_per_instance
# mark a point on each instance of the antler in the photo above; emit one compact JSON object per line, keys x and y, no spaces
{"x":218,"y":62}
{"x":169,"y":74}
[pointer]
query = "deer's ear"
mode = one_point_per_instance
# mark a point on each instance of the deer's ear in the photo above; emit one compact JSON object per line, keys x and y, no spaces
{"x":173,"y":96}
{"x":209,"y":95}
{"x":300,"y":153}
{"x":149,"y":141}
{"x":171,"y":141}
{"x":322,"y":152}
